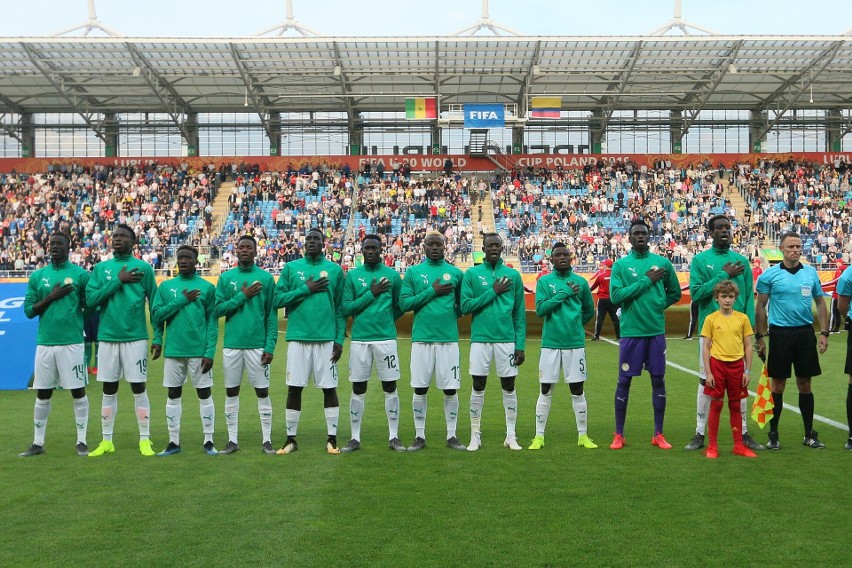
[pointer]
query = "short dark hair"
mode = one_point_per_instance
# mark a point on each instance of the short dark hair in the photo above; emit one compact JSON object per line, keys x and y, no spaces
{"x":558,"y":244}
{"x":315,"y":230}
{"x":711,"y":223}
{"x":371,"y":236}
{"x":789,"y":235}
{"x":247,"y":238}
{"x":638,"y":222}
{"x":127,"y":228}
{"x":190,"y":248}
{"x":62,"y":234}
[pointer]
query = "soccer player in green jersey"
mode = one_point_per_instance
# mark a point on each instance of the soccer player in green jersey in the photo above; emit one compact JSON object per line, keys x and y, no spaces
{"x":431,"y":290}
{"x":121,"y":286}
{"x":186,"y":306}
{"x":371,"y":297}
{"x":245,"y":296}
{"x":56,"y":294}
{"x":563,"y":299}
{"x":494,"y":296}
{"x":708,"y":268}
{"x":312,"y":290}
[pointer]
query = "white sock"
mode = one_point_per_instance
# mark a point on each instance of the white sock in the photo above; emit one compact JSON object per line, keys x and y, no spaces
{"x":578,"y":402}
{"x":703,"y":405}
{"x":392,"y":412}
{"x":174,"y":409}
{"x":292,"y":418}
{"x":451,"y":414}
{"x":264,"y":409}
{"x":40,"y":414}
{"x":143,"y":415}
{"x":510,"y":407}
{"x":745,"y":413}
{"x":420,"y":405}
{"x":109,"y":407}
{"x":332,"y":415}
{"x":542,"y":411}
{"x":477,"y":401}
{"x":356,"y":411}
{"x":81,"y":418}
{"x":232,"y":417}
{"x":208,"y":417}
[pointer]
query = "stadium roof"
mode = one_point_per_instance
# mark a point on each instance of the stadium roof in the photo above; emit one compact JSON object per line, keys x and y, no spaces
{"x":298,"y":74}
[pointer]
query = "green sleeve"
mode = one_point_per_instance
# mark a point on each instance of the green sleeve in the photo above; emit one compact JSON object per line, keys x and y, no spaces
{"x":409,"y":301}
{"x":352,"y":306}
{"x":227,"y":306}
{"x":545,"y":304}
{"x":673,"y":291}
{"x":150,"y":283}
{"x":271,"y":320}
{"x":212,"y":324}
{"x":164,"y":308}
{"x":397,"y":286}
{"x":284,"y":297}
{"x":701,"y":286}
{"x":519,"y":316}
{"x":587,"y":302}
{"x":340,"y":319}
{"x":471,"y":303}
{"x":620,"y":293}
{"x":31,"y":297}
{"x":98,"y":292}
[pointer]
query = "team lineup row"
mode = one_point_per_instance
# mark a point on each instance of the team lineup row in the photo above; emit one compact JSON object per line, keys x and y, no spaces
{"x":184,"y":312}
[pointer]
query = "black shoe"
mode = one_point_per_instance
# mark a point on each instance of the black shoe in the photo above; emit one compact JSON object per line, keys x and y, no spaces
{"x":82,"y":449}
{"x":352,"y":445}
{"x":773,"y":443}
{"x":812,"y":441}
{"x":210,"y":449}
{"x":232,"y":448}
{"x":396,"y":445}
{"x":268,"y":449}
{"x":455,"y":444}
{"x":696,"y":443}
{"x":751,"y":443}
{"x":688,"y":338}
{"x":417,"y":445}
{"x":596,"y":338}
{"x":34,"y":450}
{"x":848,"y":444}
{"x":170,"y":450}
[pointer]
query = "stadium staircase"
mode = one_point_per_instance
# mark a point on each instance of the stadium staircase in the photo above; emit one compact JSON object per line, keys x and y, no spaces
{"x":481,"y":147}
{"x":220,"y":214}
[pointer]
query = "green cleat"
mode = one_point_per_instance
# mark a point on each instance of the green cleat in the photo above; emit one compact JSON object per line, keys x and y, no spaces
{"x":537,"y":443}
{"x":105,"y":447}
{"x":586,"y":442}
{"x":146,"y":448}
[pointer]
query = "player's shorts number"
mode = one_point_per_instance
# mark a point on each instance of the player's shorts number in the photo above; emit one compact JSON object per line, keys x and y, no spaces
{"x":391,"y":361}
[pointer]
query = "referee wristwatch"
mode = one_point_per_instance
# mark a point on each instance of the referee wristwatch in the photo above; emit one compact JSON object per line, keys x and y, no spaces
{"x":825,"y":333}
{"x":758,"y":336}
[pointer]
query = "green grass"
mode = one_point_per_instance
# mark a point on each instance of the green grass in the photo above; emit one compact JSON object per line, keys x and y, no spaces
{"x":561,"y":506}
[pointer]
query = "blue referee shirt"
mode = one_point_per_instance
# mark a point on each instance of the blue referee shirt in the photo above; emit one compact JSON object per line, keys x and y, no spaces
{"x":791,"y":293}
{"x":844,"y":285}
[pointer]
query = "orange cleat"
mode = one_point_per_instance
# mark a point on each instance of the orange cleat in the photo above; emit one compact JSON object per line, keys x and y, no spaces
{"x":617,"y":442}
{"x":744,"y":452}
{"x":712,"y":453}
{"x":659,"y":441}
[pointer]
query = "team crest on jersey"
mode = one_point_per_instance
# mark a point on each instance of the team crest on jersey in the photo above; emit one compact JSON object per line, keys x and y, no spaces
{"x":654,"y":267}
{"x":323,"y":274}
{"x":68,"y":281}
{"x":446,"y":276}
{"x":625,"y":367}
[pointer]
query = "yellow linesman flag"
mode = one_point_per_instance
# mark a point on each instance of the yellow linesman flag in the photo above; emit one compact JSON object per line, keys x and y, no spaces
{"x":762,"y":409}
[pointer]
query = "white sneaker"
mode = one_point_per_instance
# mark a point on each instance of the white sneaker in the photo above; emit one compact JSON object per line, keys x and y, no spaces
{"x":475,"y":443}
{"x":512,"y":444}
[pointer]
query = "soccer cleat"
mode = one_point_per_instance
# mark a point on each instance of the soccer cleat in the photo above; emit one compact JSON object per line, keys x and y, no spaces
{"x":751,"y":443}
{"x":617,"y":442}
{"x":352,"y":445}
{"x":586,"y":442}
{"x":395,"y":445}
{"x":146,"y":448}
{"x":773,"y":443}
{"x":696,"y":443}
{"x":82,"y":449}
{"x":848,"y":445}
{"x":744,"y":451}
{"x":417,"y":445}
{"x":34,"y":450}
{"x":267,"y":448}
{"x":170,"y":450}
{"x":232,"y":447}
{"x":512,"y":443}
{"x":712,"y":453}
{"x":454,"y":444}
{"x":288,"y":448}
{"x":105,"y":447}
{"x":812,"y":441}
{"x":331,"y":447}
{"x":660,"y":441}
{"x":596,"y":338}
{"x":210,"y":449}
{"x":475,"y":443}
{"x":537,"y":443}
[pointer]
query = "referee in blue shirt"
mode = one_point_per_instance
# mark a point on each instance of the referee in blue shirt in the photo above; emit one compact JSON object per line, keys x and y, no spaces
{"x":790,"y":287}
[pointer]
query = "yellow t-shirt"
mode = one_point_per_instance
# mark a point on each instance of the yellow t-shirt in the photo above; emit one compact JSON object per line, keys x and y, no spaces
{"x":727,"y":333}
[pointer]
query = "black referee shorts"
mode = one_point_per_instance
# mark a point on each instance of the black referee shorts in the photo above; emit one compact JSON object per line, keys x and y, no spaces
{"x":848,"y":368}
{"x":792,"y":346}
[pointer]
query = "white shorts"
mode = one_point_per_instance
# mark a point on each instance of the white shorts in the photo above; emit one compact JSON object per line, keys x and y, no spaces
{"x":60,"y":366}
{"x":363,"y":355}
{"x":572,"y":363}
{"x":128,"y":359}
{"x":503,"y":355}
{"x":235,"y":361}
{"x":702,"y":374}
{"x":306,"y":358}
{"x":176,"y":369}
{"x":440,"y":359}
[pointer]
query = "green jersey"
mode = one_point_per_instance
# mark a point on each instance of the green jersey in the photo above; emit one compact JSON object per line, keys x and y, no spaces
{"x":122,"y":305}
{"x":312,"y":317}
{"x":373,"y":317}
{"x":61,"y":323}
{"x":435,"y":317}
{"x":490,"y":312}
{"x":250,"y":323}
{"x":564,"y":312}
{"x":192,"y":328}
{"x":643,"y":302}
{"x":705,"y":271}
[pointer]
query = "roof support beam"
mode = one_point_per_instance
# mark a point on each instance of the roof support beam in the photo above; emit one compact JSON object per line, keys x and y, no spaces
{"x":10,"y":130}
{"x":78,"y":102}
{"x":261,"y":103}
{"x":524,"y":91}
{"x":619,"y":85}
{"x":721,"y":71}
{"x":340,"y":73}
{"x":172,"y":103}
{"x":812,"y":71}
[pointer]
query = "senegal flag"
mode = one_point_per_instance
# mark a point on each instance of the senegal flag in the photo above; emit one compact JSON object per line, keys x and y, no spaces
{"x":420,"y":109}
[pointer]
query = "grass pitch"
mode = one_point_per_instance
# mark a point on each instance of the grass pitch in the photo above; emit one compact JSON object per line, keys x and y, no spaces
{"x":560,"y":506}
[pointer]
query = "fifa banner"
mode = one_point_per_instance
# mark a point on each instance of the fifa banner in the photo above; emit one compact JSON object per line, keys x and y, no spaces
{"x":17,"y":338}
{"x":484,"y":116}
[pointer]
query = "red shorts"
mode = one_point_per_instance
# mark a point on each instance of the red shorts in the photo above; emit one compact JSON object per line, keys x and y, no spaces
{"x":729,"y":378}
